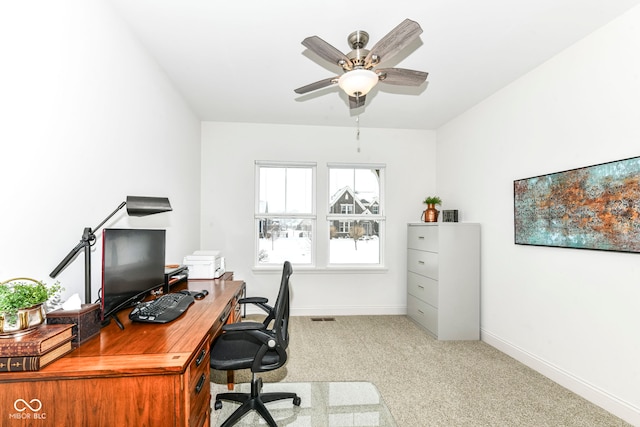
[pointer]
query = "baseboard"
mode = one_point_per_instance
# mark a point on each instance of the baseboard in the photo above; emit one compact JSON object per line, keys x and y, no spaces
{"x":349,"y":311}
{"x":593,"y":394}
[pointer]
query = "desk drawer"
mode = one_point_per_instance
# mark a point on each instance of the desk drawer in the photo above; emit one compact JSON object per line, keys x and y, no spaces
{"x":423,"y":263}
{"x":423,"y":288}
{"x":423,"y":313}
{"x":236,"y":316}
{"x":198,"y":386}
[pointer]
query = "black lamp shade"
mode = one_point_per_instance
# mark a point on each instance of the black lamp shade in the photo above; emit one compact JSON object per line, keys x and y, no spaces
{"x":143,"y":206}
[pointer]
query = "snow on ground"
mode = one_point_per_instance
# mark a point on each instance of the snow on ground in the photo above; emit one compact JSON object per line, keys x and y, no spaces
{"x":297,"y":250}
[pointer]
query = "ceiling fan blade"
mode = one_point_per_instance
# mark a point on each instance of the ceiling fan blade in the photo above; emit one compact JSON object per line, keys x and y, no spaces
{"x":401,"y":76}
{"x":327,"y":52}
{"x":393,"y":42}
{"x":356,"y":101}
{"x":317,"y":85}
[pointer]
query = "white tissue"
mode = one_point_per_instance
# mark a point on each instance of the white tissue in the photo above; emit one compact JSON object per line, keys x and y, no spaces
{"x":73,"y":303}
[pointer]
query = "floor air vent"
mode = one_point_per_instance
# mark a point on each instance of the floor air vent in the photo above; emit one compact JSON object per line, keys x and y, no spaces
{"x":323,"y":319}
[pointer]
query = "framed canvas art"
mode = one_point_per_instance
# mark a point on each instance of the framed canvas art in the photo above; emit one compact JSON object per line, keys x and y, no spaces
{"x":594,"y":207}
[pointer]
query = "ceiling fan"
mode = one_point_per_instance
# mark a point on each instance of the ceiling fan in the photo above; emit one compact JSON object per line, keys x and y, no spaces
{"x":360,"y":74}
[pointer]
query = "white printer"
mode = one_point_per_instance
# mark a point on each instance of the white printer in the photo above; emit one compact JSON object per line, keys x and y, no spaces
{"x":205,"y":265}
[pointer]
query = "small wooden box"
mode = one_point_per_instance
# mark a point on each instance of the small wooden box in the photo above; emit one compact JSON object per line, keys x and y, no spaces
{"x":86,"y":322}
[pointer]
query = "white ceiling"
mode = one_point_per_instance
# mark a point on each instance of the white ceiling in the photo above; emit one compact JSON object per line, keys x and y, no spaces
{"x":239,"y":61}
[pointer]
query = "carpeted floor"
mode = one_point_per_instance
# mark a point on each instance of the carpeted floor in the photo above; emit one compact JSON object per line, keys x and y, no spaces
{"x":426,"y":382}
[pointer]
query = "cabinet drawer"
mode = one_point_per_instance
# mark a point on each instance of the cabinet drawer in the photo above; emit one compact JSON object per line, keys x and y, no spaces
{"x":198,"y":386}
{"x":423,"y":237}
{"x":423,"y":263}
{"x":423,"y":313}
{"x":423,"y":288}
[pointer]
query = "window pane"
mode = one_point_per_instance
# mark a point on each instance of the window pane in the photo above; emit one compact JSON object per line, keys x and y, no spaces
{"x":354,"y":191}
{"x":285,"y":190}
{"x":354,"y":242}
{"x":284,"y":239}
{"x":299,"y":190}
{"x":272,"y":190}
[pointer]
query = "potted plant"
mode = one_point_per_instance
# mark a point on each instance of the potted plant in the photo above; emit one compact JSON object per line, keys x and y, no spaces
{"x":22,"y":304}
{"x":432,"y":200}
{"x":431,"y":213}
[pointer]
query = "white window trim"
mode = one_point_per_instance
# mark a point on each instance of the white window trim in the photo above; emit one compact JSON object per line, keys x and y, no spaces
{"x":312,"y":216}
{"x":380,"y":217}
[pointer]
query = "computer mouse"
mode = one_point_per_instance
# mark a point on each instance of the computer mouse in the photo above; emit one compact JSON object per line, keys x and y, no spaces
{"x":200,"y":295}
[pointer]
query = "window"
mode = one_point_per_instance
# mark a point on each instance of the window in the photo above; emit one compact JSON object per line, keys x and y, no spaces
{"x":355,"y":214}
{"x":286,"y":225}
{"x":346,"y":209}
{"x":285,"y":217}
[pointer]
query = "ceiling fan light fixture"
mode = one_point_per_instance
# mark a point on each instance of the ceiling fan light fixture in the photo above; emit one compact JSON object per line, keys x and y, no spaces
{"x":358,"y":82}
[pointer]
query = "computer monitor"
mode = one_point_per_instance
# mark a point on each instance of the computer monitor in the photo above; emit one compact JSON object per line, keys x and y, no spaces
{"x":132,"y":266}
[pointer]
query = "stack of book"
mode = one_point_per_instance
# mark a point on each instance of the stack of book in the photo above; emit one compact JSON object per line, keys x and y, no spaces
{"x":35,"y":350}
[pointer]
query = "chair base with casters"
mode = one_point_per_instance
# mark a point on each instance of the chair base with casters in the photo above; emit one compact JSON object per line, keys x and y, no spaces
{"x":253,"y":401}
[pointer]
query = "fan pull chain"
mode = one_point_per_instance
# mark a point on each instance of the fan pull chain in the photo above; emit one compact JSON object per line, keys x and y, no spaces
{"x":358,"y":131}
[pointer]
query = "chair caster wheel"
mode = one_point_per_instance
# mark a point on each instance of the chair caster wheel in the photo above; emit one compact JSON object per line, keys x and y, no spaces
{"x":217,"y":405}
{"x":297,"y":401}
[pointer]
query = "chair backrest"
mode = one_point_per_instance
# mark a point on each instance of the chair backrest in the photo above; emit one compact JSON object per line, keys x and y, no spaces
{"x":281,"y":308}
{"x":279,"y":329}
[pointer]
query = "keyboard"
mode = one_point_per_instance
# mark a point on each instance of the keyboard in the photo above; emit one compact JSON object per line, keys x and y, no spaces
{"x":163,"y":309}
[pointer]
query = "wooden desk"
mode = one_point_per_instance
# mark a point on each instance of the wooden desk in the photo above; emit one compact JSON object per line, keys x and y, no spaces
{"x":145,"y":375}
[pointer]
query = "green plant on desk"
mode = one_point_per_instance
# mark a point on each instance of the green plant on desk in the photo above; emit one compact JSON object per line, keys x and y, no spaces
{"x":16,"y":294}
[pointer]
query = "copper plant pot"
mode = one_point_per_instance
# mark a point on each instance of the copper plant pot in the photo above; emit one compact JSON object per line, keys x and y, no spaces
{"x":431,"y":213}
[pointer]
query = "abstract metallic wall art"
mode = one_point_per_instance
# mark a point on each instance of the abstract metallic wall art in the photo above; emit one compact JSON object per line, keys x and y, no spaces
{"x":594,"y":207}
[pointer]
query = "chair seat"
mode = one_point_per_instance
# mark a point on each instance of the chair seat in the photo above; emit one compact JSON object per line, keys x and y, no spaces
{"x":238,"y":351}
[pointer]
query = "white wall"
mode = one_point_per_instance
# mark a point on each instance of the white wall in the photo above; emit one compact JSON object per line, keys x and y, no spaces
{"x":229,"y":152}
{"x":572,"y":314}
{"x":87,"y":119}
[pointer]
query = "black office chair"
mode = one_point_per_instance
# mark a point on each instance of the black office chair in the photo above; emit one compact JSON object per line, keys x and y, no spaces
{"x":259,"y":347}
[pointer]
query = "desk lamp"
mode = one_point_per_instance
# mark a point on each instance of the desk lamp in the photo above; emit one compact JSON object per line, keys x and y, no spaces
{"x":136,"y":206}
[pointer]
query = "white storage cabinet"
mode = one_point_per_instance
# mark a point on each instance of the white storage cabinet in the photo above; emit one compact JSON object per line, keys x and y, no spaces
{"x":443,"y":279}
